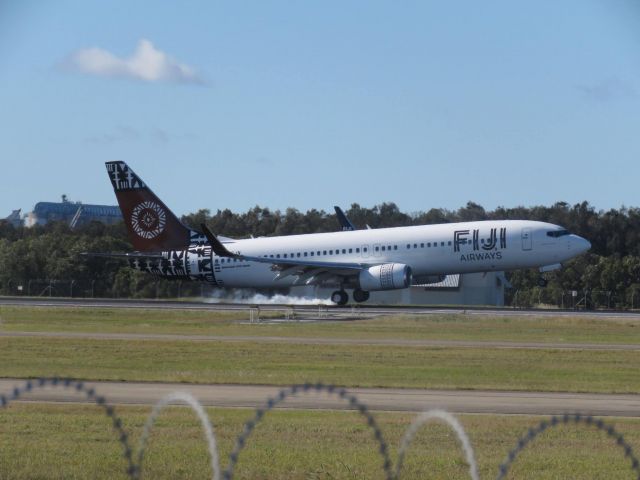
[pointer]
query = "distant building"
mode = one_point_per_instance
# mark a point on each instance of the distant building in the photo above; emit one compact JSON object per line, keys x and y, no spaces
{"x":74,"y":213}
{"x":15,"y":219}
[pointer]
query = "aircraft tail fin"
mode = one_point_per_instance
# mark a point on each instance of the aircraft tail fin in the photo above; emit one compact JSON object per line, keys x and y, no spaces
{"x":152,"y":227}
{"x":345,"y":223}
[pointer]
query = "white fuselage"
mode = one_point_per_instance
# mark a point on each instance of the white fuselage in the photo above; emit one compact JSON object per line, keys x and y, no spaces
{"x":429,"y":250}
{"x":365,"y":260}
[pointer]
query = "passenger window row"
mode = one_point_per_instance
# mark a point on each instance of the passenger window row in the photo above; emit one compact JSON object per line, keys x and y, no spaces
{"x":428,"y":244}
{"x":343,"y":251}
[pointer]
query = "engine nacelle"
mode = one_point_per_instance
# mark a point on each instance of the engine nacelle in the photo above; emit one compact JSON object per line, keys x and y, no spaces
{"x":388,"y":276}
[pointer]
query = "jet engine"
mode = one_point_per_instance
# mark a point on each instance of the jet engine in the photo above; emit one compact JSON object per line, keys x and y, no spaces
{"x":388,"y":276}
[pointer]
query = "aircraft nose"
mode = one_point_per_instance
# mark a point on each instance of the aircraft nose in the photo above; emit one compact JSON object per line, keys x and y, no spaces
{"x":582,"y":244}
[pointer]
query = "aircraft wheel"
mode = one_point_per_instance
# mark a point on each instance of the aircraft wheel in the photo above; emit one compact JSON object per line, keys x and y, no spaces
{"x":542,"y":282}
{"x":360,"y":295}
{"x":340,"y":297}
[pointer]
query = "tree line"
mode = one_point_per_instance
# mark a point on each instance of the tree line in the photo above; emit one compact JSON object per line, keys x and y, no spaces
{"x":46,"y":260}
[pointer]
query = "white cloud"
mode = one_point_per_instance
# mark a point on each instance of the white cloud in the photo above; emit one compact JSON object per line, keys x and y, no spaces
{"x":127,"y":134}
{"x":147,"y":64}
{"x":121,"y":133}
{"x":608,"y":90}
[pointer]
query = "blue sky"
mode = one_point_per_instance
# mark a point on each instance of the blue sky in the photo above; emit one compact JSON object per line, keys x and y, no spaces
{"x":311,"y":104}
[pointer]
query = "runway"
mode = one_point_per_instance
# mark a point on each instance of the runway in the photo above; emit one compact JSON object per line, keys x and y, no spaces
{"x":379,"y":399}
{"x":313,"y":313}
{"x":347,"y":312}
{"x":410,"y":400}
{"x":327,"y":341}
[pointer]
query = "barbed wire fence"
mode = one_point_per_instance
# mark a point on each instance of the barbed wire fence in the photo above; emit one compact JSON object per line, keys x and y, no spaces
{"x":295,"y":390}
{"x":577,"y":419}
{"x":134,"y":469}
{"x":92,"y":396}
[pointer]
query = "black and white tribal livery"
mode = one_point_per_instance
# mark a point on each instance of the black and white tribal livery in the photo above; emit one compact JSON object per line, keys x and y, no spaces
{"x":360,"y":260}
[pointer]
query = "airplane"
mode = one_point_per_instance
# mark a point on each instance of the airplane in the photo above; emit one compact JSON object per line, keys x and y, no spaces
{"x":359,"y":260}
{"x":345,"y":223}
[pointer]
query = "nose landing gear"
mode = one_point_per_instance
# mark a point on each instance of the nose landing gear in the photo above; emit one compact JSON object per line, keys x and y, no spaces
{"x":542,"y":281}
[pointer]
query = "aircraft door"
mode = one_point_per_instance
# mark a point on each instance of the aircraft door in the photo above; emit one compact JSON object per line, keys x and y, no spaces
{"x":376,"y":250}
{"x":365,"y":251}
{"x":527,"y":241}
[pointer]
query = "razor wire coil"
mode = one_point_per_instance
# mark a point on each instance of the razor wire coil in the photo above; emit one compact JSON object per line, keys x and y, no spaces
{"x":81,"y":387}
{"x":133,"y":469}
{"x":557,"y":420}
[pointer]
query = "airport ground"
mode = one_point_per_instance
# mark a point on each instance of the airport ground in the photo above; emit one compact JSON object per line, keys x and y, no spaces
{"x":562,"y":359}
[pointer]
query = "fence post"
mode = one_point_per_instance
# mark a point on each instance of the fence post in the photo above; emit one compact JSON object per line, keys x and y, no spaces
{"x":586,"y":292}
{"x":539,"y":297}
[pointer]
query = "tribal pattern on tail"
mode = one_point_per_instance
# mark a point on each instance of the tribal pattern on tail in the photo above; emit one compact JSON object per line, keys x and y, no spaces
{"x":123,"y":178}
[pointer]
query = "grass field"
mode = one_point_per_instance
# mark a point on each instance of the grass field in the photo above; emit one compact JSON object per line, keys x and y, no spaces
{"x":351,"y":365}
{"x":73,"y":442}
{"x":51,"y":441}
{"x":435,"y":327}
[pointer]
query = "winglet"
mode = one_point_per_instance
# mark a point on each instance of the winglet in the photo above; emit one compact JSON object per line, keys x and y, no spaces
{"x":218,"y":248}
{"x":345,"y":223}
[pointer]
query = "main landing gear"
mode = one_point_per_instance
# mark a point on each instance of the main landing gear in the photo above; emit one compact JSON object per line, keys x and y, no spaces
{"x":341,"y":297}
{"x":360,"y":295}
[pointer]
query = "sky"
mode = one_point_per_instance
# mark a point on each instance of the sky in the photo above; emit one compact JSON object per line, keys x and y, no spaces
{"x":313,"y":104}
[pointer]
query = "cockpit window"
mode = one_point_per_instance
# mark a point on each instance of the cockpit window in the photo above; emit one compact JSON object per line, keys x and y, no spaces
{"x":557,"y":233}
